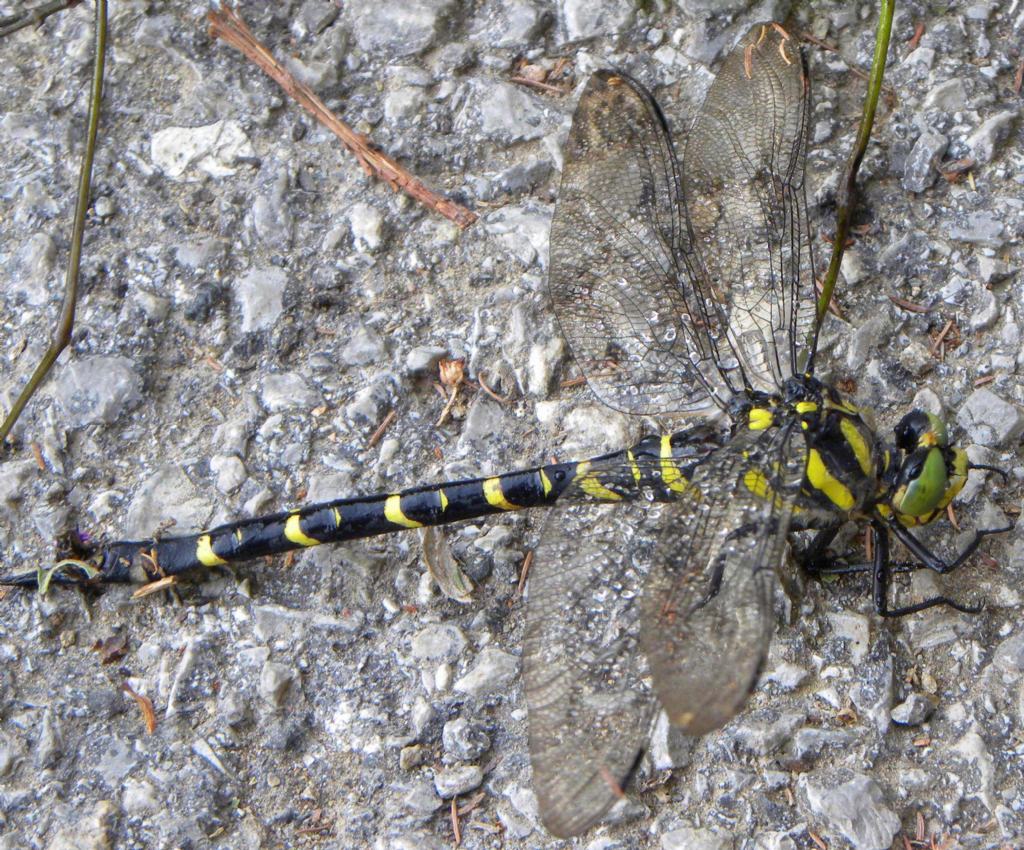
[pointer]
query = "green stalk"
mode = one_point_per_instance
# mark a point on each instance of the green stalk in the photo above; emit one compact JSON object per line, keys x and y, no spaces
{"x":66,"y":322}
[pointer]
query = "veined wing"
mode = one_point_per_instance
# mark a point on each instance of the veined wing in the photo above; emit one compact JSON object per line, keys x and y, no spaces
{"x":706,"y":613}
{"x":743,"y":187}
{"x":618,"y":280}
{"x":589,"y":709}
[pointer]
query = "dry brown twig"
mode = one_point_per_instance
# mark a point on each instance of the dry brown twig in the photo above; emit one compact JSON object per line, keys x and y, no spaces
{"x":226,"y":24}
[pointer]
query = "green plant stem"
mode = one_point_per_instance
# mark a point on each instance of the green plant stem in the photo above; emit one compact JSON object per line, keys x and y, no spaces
{"x":847,"y":196}
{"x":66,"y":322}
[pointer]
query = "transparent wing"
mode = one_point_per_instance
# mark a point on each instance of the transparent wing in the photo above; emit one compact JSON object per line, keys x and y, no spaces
{"x":589,"y":709}
{"x":743,"y":185}
{"x":618,"y":281}
{"x":706,"y":612}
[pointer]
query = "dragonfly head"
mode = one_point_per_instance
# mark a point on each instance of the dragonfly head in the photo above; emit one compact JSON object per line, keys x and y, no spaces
{"x":931,"y":472}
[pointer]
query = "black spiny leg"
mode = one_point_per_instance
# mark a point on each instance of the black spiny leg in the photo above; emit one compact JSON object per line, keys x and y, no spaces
{"x":882,"y":569}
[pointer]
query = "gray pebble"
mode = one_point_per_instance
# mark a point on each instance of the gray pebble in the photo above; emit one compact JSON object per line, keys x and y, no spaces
{"x":990,"y":421}
{"x":421,"y":799}
{"x":984,"y":315}
{"x":483,"y":420}
{"x":230,"y":472}
{"x":275,"y":679}
{"x":464,"y":740}
{"x":493,"y":671}
{"x":991,"y":269}
{"x":590,"y":18}
{"x":313,"y":17}
{"x":809,"y":743}
{"x":686,"y":838}
{"x":768,"y":732}
{"x":260,"y":293}
{"x":853,"y":805}
{"x":852,"y":266}
{"x":402,"y":104}
{"x":921,"y":168}
{"x":453,"y":781}
{"x":288,"y":391}
{"x":31,"y":273}
{"x":866,"y":339}
{"x":979,"y":228}
{"x":984,"y":142}
{"x":522,"y":231}
{"x":49,"y":744}
{"x":513,"y":23}
{"x":438,"y":642}
{"x":914,"y":710}
{"x":139,"y":797}
{"x":364,"y":346}
{"x":397,"y":28}
{"x":504,"y":113}
{"x":214,"y":149}
{"x":424,"y":358}
{"x":167,"y":495}
{"x":98,"y":389}
{"x":14,"y":476}
{"x":787,"y":676}
{"x":949,"y":96}
{"x":367,"y":225}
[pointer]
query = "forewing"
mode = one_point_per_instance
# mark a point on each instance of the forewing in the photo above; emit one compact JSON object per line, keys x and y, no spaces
{"x":707,"y":604}
{"x":743,"y":187}
{"x":589,"y":709}
{"x":618,"y":279}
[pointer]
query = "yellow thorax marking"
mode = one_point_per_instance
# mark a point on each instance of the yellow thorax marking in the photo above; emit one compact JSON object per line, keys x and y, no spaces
{"x":393,"y":512}
{"x":861,"y":449}
{"x":545,"y":482}
{"x":823,"y":480}
{"x":293,"y":532}
{"x":806,"y":406}
{"x":670,"y":473}
{"x":205,"y":554}
{"x":590,"y":484}
{"x":494,"y":495}
{"x":634,"y":466}
{"x":759,"y":418}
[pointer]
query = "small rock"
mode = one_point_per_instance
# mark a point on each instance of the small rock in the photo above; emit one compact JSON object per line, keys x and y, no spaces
{"x":424,"y":358}
{"x":853,"y":805}
{"x":260,"y":293}
{"x":483,"y":420}
{"x":313,"y":18}
{"x":463,"y":740}
{"x":453,"y":781}
{"x":543,"y":362}
{"x":275,"y":679}
{"x":523,"y":231}
{"x":14,"y":477}
{"x":364,"y":346}
{"x":98,"y":389}
{"x":438,"y":642}
{"x":494,"y":670}
{"x":921,"y":168}
{"x":949,"y":96}
{"x":852,"y":266}
{"x":504,"y":113}
{"x":230,"y":472}
{"x":866,"y":339}
{"x":49,"y":744}
{"x":288,"y":391}
{"x":984,"y":315}
{"x":990,"y":421}
{"x":366,"y":223}
{"x":979,"y":228}
{"x":422,"y":800}
{"x":214,"y":149}
{"x":914,"y":710}
{"x":686,"y":838}
{"x":767,"y":733}
{"x":413,"y":756}
{"x":590,"y":18}
{"x":787,"y":676}
{"x":92,"y":832}
{"x":397,"y":28}
{"x":991,"y":269}
{"x":138,"y":798}
{"x":166,"y":495}
{"x":403,"y":104}
{"x":513,"y":23}
{"x":809,"y":743}
{"x":984,"y":142}
{"x":31,"y":272}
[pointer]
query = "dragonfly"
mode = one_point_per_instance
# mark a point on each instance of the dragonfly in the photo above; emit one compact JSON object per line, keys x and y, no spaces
{"x":683,"y":285}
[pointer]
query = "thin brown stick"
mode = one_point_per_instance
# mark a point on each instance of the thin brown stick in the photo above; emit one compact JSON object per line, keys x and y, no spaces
{"x":34,"y":17}
{"x":227,"y":25}
{"x":376,"y":435}
{"x":537,"y":84}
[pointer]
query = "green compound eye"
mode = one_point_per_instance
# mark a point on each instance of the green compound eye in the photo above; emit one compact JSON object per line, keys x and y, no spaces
{"x":923,"y":483}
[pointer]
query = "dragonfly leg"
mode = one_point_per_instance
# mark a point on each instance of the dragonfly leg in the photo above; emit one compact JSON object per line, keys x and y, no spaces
{"x":932,"y":561}
{"x":882,"y":569}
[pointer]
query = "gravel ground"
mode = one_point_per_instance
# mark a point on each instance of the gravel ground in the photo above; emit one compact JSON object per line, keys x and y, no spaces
{"x":253,"y":306}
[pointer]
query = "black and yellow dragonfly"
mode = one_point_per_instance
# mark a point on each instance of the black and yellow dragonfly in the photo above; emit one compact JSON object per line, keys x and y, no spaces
{"x":682,"y":287}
